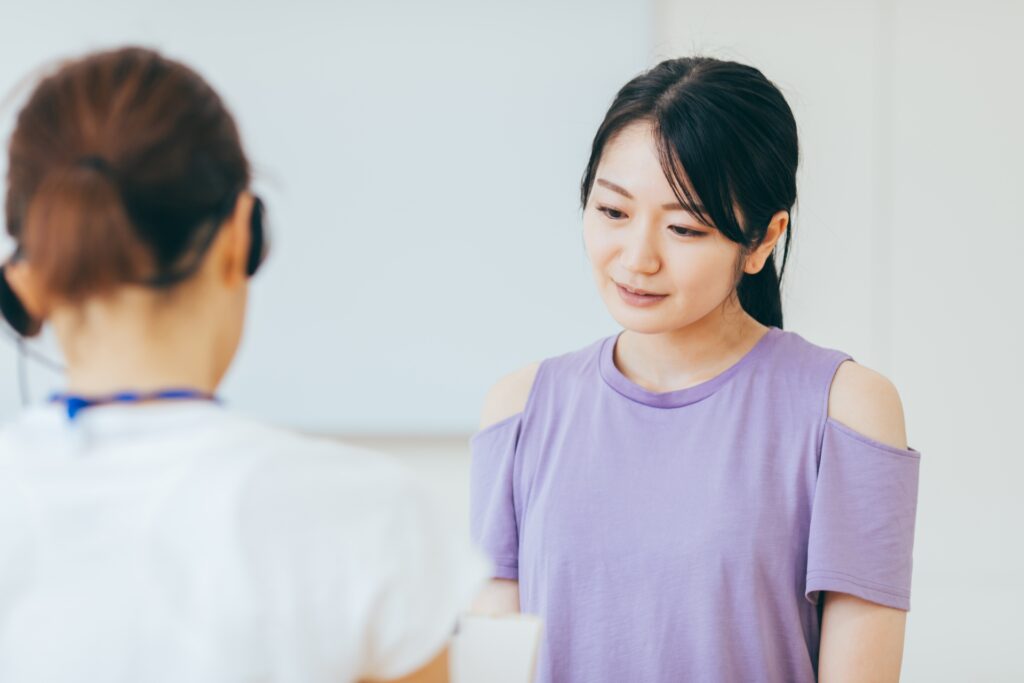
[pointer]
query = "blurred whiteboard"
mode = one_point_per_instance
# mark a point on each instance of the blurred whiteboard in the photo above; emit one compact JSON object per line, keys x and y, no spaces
{"x":420,"y":162}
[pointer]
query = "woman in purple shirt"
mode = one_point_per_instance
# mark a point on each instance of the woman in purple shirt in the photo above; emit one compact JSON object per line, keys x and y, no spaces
{"x":703,"y":496}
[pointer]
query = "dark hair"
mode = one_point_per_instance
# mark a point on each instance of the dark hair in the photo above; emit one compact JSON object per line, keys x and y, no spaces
{"x":122,"y":163}
{"x":728,"y":141}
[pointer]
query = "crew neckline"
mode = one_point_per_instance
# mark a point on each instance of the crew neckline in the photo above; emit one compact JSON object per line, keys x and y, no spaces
{"x":614,"y":377}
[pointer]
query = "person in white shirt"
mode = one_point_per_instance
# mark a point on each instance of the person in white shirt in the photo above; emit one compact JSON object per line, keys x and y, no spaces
{"x":147,"y":533}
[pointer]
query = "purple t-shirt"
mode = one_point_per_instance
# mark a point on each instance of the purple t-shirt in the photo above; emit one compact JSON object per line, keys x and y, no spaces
{"x":685,"y":536}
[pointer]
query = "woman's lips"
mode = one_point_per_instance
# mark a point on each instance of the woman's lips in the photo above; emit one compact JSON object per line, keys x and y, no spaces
{"x":638,"y":297}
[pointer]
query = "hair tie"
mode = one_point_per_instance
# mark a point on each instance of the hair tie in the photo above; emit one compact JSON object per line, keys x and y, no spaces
{"x":96,"y":163}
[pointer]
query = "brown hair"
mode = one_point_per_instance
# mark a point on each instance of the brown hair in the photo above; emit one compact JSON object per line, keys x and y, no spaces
{"x":121,"y":165}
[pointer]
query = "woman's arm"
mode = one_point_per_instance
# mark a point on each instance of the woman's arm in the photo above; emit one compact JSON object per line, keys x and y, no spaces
{"x":498,"y":597}
{"x":860,"y":640}
{"x":505,"y":399}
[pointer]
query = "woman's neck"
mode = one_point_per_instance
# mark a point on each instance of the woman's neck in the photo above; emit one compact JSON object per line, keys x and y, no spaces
{"x":107,"y":353}
{"x":677,"y":359}
{"x":103,"y":376}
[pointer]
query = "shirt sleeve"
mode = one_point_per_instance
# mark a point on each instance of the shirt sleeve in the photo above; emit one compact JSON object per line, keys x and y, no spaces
{"x":493,"y":523}
{"x":428,"y":576}
{"x":358,"y":568}
{"x":862,"y":518}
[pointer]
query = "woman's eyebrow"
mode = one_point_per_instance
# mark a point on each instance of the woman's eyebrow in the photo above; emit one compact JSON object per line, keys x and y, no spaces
{"x":614,"y":188}
{"x":696,"y":210}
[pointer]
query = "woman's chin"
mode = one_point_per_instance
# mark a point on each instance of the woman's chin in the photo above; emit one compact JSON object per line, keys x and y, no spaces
{"x":644,"y":321}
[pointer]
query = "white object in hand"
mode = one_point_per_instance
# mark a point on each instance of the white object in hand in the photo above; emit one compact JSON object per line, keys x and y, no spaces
{"x":500,"y":649}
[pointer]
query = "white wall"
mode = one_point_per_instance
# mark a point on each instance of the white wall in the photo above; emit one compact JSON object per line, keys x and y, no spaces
{"x":909,"y":241}
{"x":420,"y":162}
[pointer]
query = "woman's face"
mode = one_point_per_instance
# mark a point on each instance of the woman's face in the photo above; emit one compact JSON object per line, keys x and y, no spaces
{"x":657,"y":267}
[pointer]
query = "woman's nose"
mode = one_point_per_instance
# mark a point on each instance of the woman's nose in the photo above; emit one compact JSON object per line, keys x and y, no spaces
{"x":639,"y":253}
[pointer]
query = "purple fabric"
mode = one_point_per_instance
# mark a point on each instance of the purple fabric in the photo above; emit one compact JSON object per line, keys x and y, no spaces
{"x":685,"y":536}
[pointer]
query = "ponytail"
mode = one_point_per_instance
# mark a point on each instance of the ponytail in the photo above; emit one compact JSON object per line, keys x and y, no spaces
{"x":77,"y":233}
{"x":760,"y":294}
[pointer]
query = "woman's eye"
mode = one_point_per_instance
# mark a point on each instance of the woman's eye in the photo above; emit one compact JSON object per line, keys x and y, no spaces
{"x":685,"y":232}
{"x":614,"y":214}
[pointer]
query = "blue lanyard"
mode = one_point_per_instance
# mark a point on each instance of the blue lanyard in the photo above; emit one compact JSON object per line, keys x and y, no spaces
{"x":76,"y":404}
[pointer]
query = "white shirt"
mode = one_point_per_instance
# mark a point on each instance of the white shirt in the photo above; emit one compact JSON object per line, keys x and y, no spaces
{"x":180,"y":542}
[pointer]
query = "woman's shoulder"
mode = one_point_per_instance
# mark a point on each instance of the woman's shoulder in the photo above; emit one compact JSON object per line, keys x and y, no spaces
{"x":297,"y":492}
{"x":294,"y":469}
{"x":859,"y":397}
{"x":804,"y":367}
{"x":510,"y":394}
{"x":867,"y":402}
{"x":804,"y":352}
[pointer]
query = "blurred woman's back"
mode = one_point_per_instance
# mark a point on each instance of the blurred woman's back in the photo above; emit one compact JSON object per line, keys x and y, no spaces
{"x":146,"y":532}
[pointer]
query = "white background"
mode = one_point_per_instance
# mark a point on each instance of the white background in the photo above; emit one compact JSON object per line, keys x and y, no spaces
{"x":422,"y":164}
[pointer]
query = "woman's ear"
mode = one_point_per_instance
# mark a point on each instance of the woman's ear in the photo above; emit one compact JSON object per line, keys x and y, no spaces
{"x":776,"y":227}
{"x":231,"y":250}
